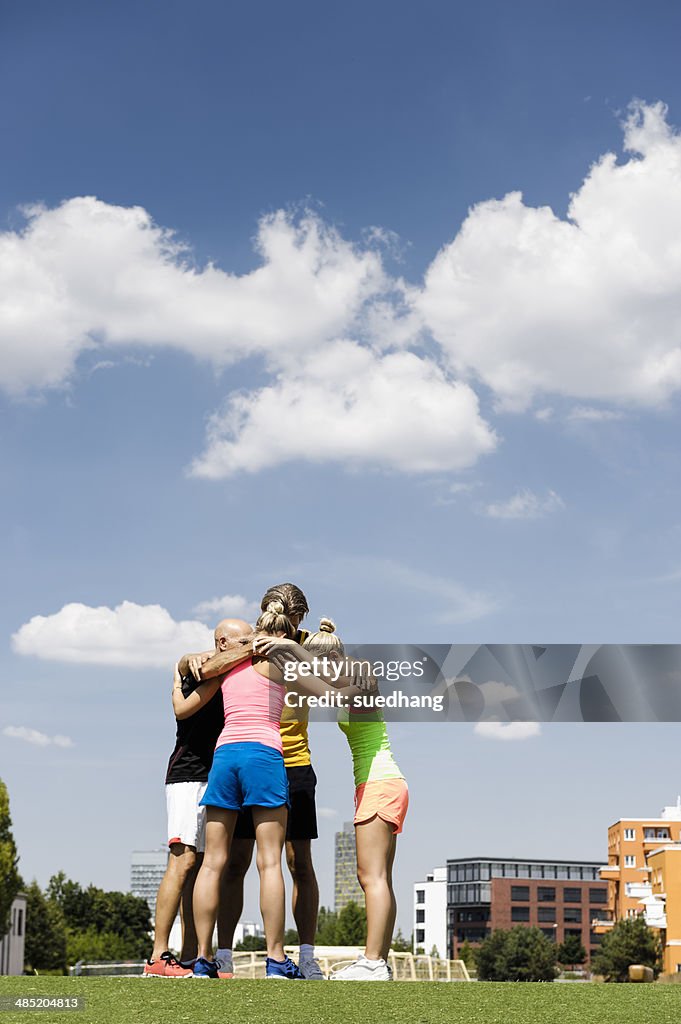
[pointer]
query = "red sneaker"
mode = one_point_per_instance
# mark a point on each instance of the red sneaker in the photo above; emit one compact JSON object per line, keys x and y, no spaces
{"x":167,"y":966}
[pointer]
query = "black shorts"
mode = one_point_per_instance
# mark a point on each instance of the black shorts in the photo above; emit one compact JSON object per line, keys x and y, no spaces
{"x":302,"y":813}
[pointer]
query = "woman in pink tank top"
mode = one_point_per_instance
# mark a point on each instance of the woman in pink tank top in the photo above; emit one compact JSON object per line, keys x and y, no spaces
{"x":248,"y":771}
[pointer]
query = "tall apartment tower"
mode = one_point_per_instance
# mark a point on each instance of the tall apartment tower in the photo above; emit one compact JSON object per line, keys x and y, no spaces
{"x":346,"y":887}
{"x":147,"y":868}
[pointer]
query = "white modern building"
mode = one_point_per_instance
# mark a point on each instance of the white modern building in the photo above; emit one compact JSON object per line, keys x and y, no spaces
{"x":12,"y":945}
{"x":430,"y":913}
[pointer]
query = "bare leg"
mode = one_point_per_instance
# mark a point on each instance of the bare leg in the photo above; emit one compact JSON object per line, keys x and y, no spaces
{"x":270,"y":832}
{"x":180,"y":865}
{"x":219,"y":828}
{"x":232,"y":890}
{"x":305,"y":888}
{"x":375,"y":842}
{"x":189,"y":941}
{"x":390,"y":926}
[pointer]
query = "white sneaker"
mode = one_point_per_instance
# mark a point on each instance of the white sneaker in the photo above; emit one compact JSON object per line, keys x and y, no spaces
{"x":311,"y":970}
{"x":363,"y":970}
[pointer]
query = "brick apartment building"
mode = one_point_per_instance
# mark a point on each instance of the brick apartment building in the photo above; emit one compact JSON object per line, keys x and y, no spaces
{"x":559,"y":897}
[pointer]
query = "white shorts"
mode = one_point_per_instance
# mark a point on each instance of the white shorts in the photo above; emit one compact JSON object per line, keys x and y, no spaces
{"x":186,"y":820}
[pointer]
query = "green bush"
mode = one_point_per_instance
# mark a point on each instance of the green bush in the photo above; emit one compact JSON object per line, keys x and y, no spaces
{"x":520,"y":954}
{"x":630,"y":941}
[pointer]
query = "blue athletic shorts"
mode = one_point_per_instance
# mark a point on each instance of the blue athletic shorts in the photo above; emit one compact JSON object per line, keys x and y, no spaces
{"x":246,"y":775}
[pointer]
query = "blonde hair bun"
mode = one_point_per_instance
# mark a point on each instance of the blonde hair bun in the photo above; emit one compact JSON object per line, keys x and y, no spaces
{"x":275,"y":608}
{"x":327,"y":626}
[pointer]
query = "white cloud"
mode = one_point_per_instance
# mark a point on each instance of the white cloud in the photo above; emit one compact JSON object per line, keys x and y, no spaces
{"x":589,"y":414}
{"x":522,"y":301}
{"x":130,"y":635}
{"x":36,"y":738}
{"x":87,"y":273}
{"x":588,"y":307}
{"x":494,"y":692}
{"x":525,"y":505}
{"x":230,"y":606}
{"x":327,"y":812}
{"x":507,"y":731}
{"x":350,"y":405}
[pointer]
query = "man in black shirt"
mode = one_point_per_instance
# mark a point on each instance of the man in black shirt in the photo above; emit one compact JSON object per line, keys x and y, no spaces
{"x":186,"y":779}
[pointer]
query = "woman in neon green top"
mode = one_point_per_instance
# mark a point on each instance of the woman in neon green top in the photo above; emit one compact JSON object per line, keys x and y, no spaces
{"x":381,"y":800}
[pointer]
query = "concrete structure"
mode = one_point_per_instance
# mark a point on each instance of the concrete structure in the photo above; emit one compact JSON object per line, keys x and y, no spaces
{"x":147,"y":868}
{"x":559,"y":896}
{"x":430,"y":913}
{"x":12,"y":945}
{"x":346,"y":887}
{"x":644,"y":878}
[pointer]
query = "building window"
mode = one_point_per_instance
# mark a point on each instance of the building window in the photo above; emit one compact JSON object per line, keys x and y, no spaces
{"x":546,"y":894}
{"x":520,"y":913}
{"x":577,"y":932}
{"x":420,"y":895}
{"x":420,"y":916}
{"x":520,"y":892}
{"x":572,"y":895}
{"x":630,"y":861}
{"x":630,"y":834}
{"x":549,"y":933}
{"x":20,"y":923}
{"x":572,"y":915}
{"x":598,"y":895}
{"x":420,"y":936}
{"x":546,"y":913}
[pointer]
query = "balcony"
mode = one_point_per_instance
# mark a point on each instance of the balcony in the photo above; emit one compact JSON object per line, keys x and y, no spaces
{"x":637,"y":890}
{"x":601,"y":925}
{"x":610,"y":873}
{"x":655,"y":911}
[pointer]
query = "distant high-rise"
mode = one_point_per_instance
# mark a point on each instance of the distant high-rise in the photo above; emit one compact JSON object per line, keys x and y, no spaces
{"x":346,"y":889}
{"x":147,"y":868}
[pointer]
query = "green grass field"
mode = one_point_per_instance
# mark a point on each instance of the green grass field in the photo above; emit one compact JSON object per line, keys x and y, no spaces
{"x":157,"y":1001}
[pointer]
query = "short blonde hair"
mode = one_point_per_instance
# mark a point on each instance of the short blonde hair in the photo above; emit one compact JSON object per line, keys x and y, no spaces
{"x":325,"y":641}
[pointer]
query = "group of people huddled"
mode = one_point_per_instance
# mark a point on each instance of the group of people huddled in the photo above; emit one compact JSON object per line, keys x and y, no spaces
{"x":241,"y":775}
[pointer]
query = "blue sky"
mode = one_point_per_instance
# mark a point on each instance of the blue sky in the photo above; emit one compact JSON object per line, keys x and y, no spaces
{"x":359,"y":361}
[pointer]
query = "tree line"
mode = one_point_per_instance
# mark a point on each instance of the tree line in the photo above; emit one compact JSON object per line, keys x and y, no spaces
{"x":525,"y":954}
{"x":66,"y":922}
